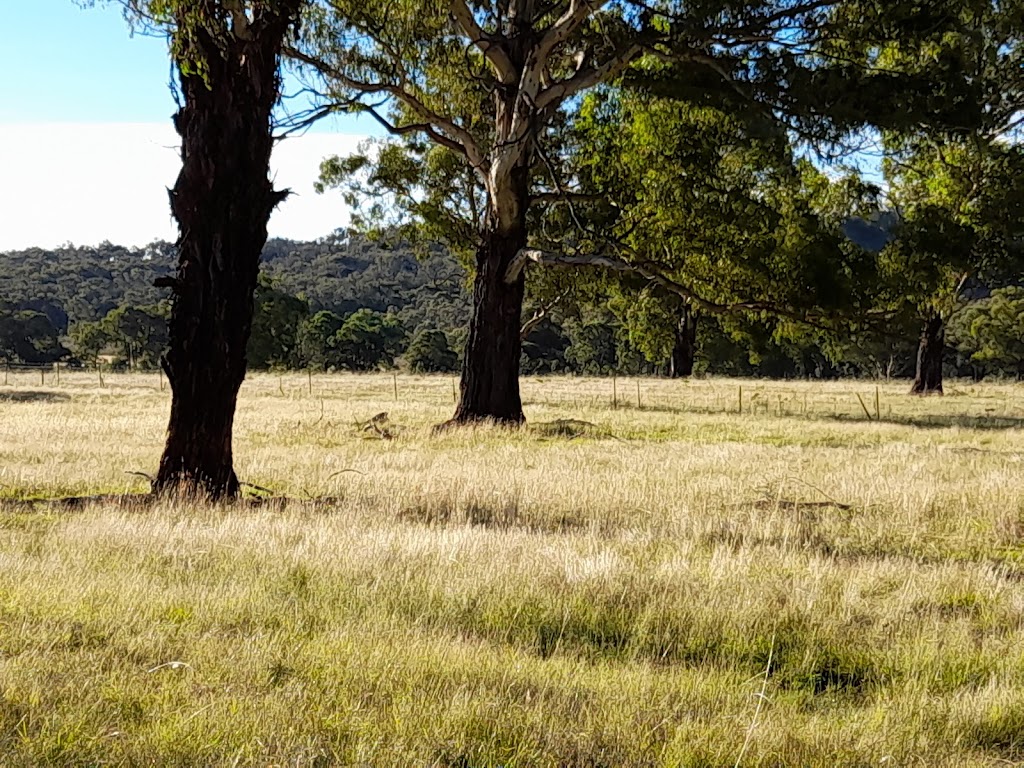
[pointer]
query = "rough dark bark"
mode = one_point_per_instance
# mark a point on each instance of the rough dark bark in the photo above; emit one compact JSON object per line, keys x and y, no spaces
{"x":222,"y":201}
{"x":930,"y":351}
{"x":490,"y":366}
{"x":684,"y":351}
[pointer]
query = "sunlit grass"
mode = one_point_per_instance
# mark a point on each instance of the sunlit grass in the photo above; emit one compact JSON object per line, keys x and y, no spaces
{"x":675,"y":584}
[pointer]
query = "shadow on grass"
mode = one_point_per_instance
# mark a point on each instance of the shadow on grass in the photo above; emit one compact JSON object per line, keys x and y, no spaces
{"x":927,"y":421}
{"x":497,"y":517}
{"x":32,"y":396}
{"x":142,"y":501}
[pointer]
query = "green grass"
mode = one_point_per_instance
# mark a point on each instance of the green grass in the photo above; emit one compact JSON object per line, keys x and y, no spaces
{"x":676,"y":585}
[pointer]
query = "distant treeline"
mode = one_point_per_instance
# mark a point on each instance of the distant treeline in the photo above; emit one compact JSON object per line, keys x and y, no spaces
{"x":347,"y":302}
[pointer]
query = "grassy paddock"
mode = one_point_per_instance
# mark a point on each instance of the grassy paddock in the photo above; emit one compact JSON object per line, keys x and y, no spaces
{"x":680,"y":584}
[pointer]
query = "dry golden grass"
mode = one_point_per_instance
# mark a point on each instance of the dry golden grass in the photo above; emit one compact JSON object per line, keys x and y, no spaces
{"x":677,"y":585}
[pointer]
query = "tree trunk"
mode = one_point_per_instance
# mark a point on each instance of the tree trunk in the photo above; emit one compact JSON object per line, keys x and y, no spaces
{"x":684,"y":351}
{"x":222,"y":201}
{"x":490,"y":366}
{"x":928,"y":379}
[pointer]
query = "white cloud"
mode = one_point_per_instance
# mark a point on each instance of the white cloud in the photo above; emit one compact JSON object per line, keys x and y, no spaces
{"x":86,"y":183}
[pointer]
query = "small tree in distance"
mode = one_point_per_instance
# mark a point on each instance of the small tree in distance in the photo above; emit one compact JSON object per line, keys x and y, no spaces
{"x":430,"y":352}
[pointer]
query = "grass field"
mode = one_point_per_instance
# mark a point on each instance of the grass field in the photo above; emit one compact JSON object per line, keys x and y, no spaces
{"x":679,"y":584}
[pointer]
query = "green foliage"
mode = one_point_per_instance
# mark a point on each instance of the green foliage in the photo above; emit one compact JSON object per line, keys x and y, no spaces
{"x":314,"y":339}
{"x":649,"y":322}
{"x":990,"y":332}
{"x":88,"y":340}
{"x":277,"y":318}
{"x":726,"y":213}
{"x":410,"y":191}
{"x":592,"y":347}
{"x":347,"y":271}
{"x":367,"y":340}
{"x":139,"y":334}
{"x":430,"y":352}
{"x":197,"y":31}
{"x":28,"y":337}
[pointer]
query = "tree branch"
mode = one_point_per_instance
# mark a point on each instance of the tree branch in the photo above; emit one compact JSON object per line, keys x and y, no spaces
{"x":616,"y":264}
{"x":540,"y":314}
{"x":567,"y":23}
{"x":457,"y":135}
{"x":587,"y":78}
{"x":567,"y":197}
{"x":491,"y":47}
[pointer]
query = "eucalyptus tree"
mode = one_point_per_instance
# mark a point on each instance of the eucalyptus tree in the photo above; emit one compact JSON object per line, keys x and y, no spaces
{"x":989,"y":332}
{"x":489,"y":80}
{"x":227,"y":56}
{"x":960,"y":232}
{"x":956,"y":183}
{"x":725,"y":218}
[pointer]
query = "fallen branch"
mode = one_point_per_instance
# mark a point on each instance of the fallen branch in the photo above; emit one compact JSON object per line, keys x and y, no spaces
{"x":797,"y":505}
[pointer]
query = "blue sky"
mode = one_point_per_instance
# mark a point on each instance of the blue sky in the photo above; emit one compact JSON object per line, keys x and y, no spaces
{"x":86,"y":144}
{"x":62,"y":63}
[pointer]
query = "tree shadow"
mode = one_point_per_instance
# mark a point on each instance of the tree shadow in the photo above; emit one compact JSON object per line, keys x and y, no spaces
{"x":945,"y":421}
{"x":32,"y":396}
{"x":926,"y":421}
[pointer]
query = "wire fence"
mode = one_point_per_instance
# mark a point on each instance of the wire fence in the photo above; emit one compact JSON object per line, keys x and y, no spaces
{"x":966,"y":404}
{"x":56,"y":374}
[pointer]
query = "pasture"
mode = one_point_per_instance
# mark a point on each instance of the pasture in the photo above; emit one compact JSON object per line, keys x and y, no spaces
{"x":820,"y":579}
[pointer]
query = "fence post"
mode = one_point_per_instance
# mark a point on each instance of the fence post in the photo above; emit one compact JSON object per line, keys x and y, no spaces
{"x":309,"y":376}
{"x":639,"y":407}
{"x":615,"y":394}
{"x":42,"y":376}
{"x":394,"y":378}
{"x":741,"y":400}
{"x":56,"y":367}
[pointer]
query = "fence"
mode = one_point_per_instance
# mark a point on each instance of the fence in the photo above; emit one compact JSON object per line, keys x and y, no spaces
{"x":967,"y":403}
{"x":49,"y":374}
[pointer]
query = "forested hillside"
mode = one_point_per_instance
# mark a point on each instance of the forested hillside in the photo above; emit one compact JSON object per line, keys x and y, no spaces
{"x":351,"y":302}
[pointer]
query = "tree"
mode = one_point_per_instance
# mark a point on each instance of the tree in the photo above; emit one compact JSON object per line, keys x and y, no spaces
{"x":315,"y":339}
{"x":429,"y":352}
{"x":990,"y":332}
{"x":662,"y":327}
{"x":367,"y":340}
{"x":960,"y":228}
{"x":492,"y":84}
{"x":277,"y":318}
{"x":718,"y":216}
{"x":226,"y":53}
{"x":28,"y":337}
{"x":88,"y":340}
{"x":140,"y":331}
{"x":958,"y":190}
{"x":592,"y":344}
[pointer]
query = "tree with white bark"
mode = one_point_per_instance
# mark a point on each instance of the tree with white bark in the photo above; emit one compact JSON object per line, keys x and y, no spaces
{"x":488,"y":80}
